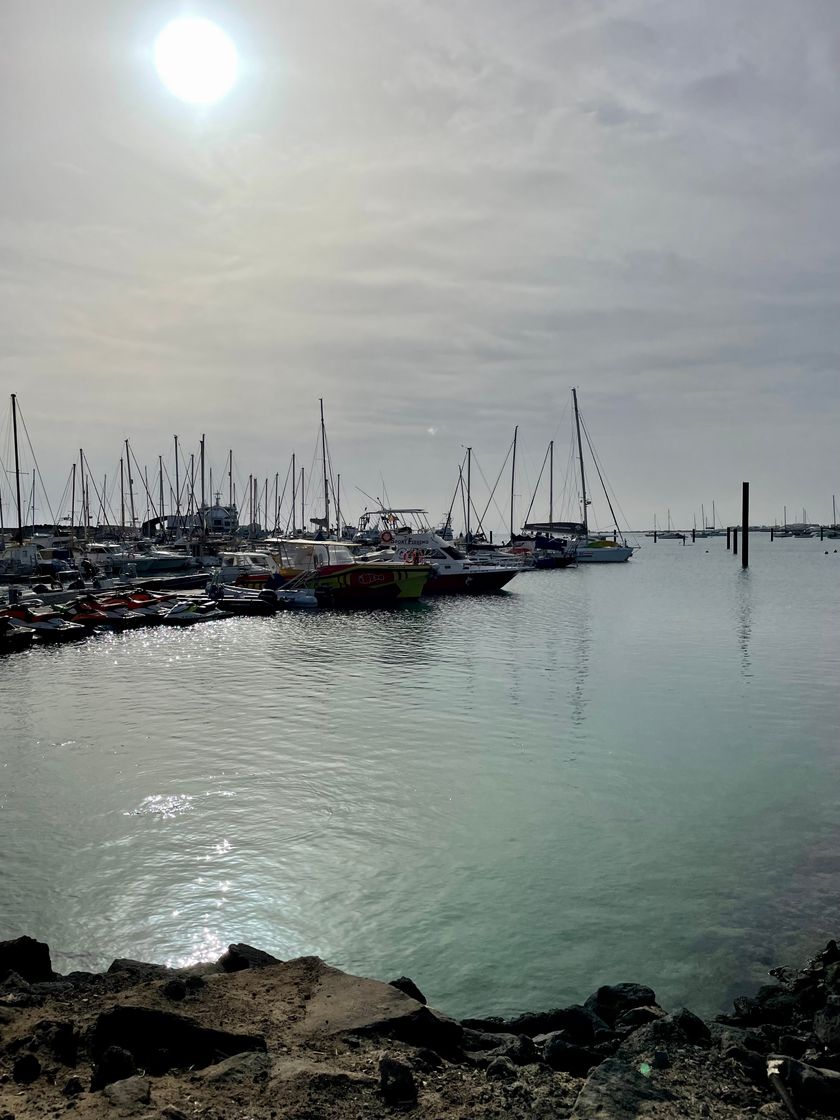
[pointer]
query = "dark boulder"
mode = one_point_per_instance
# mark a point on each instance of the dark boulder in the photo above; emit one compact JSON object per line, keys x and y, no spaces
{"x":161,"y":1040}
{"x":518,"y":1048}
{"x":638,"y":1017}
{"x":26,"y":1069}
{"x":27,"y":957}
{"x":565,"y":1057}
{"x":60,"y":1038}
{"x":616,"y":1091}
{"x":501,"y":1069}
{"x":72,"y":1087}
{"x":613,"y":1000}
{"x":827,"y":1024}
{"x":137,"y":970}
{"x":810,"y":1088}
{"x":578,"y":1022}
{"x":405,"y":984}
{"x":240,"y":956}
{"x":115,"y":1064}
{"x":131,"y":1095}
{"x":671,"y":1032}
{"x":691,"y":1025}
{"x":176,"y":990}
{"x":792,"y":1046}
{"x":396,"y":1081}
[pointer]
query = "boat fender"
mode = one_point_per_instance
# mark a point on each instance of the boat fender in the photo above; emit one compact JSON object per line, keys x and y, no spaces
{"x":386,"y":537}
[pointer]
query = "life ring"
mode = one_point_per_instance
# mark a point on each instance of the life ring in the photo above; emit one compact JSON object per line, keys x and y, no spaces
{"x":386,"y":537}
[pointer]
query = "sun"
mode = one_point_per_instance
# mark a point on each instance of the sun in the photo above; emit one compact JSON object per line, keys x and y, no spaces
{"x":196,"y":60}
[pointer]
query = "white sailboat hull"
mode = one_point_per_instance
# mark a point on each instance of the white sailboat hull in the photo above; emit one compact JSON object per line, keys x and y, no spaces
{"x":616,"y":555}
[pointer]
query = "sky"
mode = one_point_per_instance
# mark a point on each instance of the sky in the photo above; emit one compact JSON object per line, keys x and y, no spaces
{"x":437,"y":216}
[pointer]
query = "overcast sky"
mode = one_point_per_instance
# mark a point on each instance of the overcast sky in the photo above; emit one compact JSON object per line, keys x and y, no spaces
{"x":438,"y":216}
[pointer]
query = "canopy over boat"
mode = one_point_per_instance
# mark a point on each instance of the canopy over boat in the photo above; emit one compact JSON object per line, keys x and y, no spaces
{"x":575,"y":528}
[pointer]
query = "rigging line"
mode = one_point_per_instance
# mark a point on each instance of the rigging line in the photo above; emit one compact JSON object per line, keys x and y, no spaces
{"x":601,"y":477}
{"x":536,"y":488}
{"x":142,"y":474}
{"x":487,"y":484}
{"x":35,"y":461}
{"x":607,"y":485}
{"x":493,"y":491}
{"x":455,"y":492}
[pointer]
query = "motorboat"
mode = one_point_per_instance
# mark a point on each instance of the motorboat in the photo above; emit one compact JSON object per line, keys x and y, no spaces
{"x":452,"y":571}
{"x":330,"y":569}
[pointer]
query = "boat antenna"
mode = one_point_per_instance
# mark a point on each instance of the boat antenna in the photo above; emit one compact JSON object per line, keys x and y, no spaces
{"x":580,"y":456}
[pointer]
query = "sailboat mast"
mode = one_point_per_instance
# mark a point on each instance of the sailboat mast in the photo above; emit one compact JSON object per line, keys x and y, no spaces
{"x":230,"y":479}
{"x":294,"y":496}
{"x":302,"y":500}
{"x":73,"y":501}
{"x":84,"y":516}
{"x":338,"y":507}
{"x":551,"y":482}
{"x":469,"y":471}
{"x":203,"y":518}
{"x":17,"y":469}
{"x":177,"y":491}
{"x":833,"y":510}
{"x":160,"y":467}
{"x":513,"y":477}
{"x":130,"y":485}
{"x":324,"y":464}
{"x":122,"y":495}
{"x":580,"y":457}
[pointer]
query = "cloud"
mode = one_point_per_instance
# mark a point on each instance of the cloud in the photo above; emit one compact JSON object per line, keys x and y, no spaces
{"x":463,"y":208}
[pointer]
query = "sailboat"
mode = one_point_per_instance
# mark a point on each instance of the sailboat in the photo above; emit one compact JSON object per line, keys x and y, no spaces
{"x":596,"y":548}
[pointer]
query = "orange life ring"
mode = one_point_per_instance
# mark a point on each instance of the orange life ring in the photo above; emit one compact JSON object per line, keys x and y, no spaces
{"x":386,"y":537}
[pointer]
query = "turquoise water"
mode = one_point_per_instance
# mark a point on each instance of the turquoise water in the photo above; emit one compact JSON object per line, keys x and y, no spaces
{"x":616,"y":772}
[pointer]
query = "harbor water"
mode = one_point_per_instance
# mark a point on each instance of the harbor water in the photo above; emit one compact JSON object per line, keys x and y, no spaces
{"x":616,"y":772}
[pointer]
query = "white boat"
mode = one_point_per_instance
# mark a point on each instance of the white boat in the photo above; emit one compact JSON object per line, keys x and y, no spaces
{"x":597,"y":548}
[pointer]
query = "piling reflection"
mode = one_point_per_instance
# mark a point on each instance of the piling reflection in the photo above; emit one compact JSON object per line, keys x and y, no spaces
{"x":744,"y":608}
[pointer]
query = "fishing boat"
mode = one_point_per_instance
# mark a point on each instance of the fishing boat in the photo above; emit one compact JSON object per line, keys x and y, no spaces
{"x":330,"y":569}
{"x":452,"y":572}
{"x":241,"y":600}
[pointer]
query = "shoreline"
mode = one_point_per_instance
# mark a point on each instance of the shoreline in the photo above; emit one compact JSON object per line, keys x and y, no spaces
{"x":249,"y":1035}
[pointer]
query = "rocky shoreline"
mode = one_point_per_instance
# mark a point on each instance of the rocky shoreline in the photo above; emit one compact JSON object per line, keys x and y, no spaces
{"x":253,"y":1037}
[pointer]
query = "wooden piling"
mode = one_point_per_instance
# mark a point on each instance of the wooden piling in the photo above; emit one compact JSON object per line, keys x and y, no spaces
{"x":745,"y":524}
{"x":734,"y":540}
{"x":728,"y":537}
{"x":772,"y":533}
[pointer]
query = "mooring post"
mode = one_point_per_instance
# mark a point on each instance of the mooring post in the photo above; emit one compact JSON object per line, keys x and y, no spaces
{"x":654,"y":536}
{"x":821,"y":532}
{"x":734,"y":540}
{"x":745,"y":524}
{"x":772,"y":533}
{"x":728,"y":536}
{"x":693,"y":535}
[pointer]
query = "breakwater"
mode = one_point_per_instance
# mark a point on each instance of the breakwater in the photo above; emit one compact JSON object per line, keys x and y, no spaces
{"x":251,"y":1035}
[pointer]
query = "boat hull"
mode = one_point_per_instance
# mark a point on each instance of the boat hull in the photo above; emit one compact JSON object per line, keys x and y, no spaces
{"x":469,"y":582}
{"x":617,"y":555}
{"x":369,"y":585}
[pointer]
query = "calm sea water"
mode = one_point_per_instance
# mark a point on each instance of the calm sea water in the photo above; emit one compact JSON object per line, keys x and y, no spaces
{"x":608,"y":773}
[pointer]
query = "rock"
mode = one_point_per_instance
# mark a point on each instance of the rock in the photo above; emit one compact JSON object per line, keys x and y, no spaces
{"x":252,"y":1067}
{"x":72,"y":1087}
{"x":176,"y":990}
{"x":404,"y":984}
{"x":60,"y":1038}
{"x":565,"y":1057}
{"x":519,"y":1049}
{"x":810,"y":1088}
{"x":27,"y":957}
{"x":115,"y":1064}
{"x":666,"y":1033}
{"x":501,"y":1069}
{"x":137,"y":970}
{"x":613,"y":1000}
{"x":239,"y":957}
{"x":791,"y":1046}
{"x":578,"y":1022}
{"x":753,"y":1064}
{"x":26,"y":1069}
{"x":661,"y":1059}
{"x":615,"y":1091}
{"x":131,"y":1095}
{"x":827,"y":1024}
{"x":162,"y":1040}
{"x":396,"y":1081}
{"x":481,"y":1040}
{"x":170,"y":1112}
{"x":638,"y":1017}
{"x":344,"y":1004}
{"x":14,"y":982}
{"x":692,"y":1026}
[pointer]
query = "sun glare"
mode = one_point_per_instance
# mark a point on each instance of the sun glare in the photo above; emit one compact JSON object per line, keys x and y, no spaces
{"x":196,"y":60}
